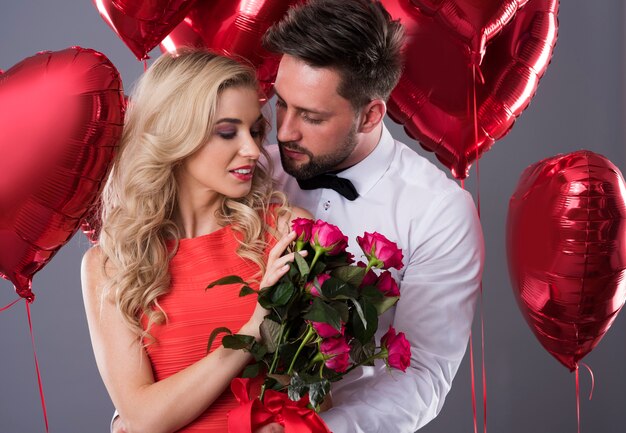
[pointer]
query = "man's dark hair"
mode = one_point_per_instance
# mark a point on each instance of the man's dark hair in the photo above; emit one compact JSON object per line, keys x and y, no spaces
{"x":357,"y":38}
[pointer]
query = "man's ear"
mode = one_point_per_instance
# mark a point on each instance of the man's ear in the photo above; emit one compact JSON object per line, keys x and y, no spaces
{"x":371,"y":115}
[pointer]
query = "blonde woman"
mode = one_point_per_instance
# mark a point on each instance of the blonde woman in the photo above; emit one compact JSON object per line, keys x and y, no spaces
{"x":187,"y":202}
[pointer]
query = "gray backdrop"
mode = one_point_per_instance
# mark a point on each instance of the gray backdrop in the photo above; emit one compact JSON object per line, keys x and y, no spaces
{"x":579,"y":104}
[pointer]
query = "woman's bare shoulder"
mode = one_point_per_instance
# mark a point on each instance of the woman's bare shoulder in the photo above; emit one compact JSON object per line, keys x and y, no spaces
{"x":285,"y":219}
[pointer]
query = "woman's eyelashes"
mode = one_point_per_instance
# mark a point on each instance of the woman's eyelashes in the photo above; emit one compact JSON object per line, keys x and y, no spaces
{"x":257,"y":131}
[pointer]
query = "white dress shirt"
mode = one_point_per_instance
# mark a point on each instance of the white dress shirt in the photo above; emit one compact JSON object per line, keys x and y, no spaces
{"x":413,"y":203}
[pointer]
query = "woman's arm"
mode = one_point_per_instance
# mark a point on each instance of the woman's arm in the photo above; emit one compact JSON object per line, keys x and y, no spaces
{"x":167,"y":405}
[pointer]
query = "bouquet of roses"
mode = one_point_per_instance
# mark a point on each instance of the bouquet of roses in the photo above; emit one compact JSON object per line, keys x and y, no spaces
{"x":323,"y":317}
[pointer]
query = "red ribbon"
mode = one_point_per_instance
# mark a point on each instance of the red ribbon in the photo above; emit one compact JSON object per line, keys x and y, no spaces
{"x":276,"y":407}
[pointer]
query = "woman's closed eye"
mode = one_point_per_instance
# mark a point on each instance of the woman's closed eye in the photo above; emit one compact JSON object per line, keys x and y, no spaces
{"x":226,"y":133}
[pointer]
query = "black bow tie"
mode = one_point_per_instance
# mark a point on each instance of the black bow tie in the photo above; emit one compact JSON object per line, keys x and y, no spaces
{"x":330,"y":181}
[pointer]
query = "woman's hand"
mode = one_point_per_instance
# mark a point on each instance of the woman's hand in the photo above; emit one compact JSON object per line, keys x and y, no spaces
{"x":277,"y":263}
{"x":277,"y":266}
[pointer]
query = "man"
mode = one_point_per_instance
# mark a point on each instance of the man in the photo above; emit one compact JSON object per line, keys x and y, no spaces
{"x":341,"y":59}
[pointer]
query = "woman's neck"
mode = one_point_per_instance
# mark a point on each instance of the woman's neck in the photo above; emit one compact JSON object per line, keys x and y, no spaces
{"x":196,"y":214}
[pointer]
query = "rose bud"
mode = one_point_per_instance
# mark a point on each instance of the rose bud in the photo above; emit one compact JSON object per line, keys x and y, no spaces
{"x":327,"y":238}
{"x":325,"y":330}
{"x":303,"y":228}
{"x":387,"y":285}
{"x":398,"y":349}
{"x":380,"y":251}
{"x":336,"y":353}
{"x":318,"y":281}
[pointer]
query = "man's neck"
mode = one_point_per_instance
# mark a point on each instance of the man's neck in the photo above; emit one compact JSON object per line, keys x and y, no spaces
{"x":366,"y":144}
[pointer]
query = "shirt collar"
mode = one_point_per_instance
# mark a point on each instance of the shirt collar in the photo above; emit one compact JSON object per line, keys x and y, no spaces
{"x":365,"y":174}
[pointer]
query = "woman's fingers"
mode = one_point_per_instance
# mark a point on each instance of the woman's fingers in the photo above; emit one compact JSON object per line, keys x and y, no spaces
{"x":282,"y":245}
{"x":279,"y":267}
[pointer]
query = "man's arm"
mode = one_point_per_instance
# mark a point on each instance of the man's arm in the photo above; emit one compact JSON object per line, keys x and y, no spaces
{"x":435,"y":311}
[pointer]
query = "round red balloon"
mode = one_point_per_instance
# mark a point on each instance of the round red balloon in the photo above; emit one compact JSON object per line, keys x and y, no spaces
{"x":434,"y":98}
{"x":61,"y":116}
{"x":141,"y":24}
{"x":566,"y":243}
{"x":233,"y":28}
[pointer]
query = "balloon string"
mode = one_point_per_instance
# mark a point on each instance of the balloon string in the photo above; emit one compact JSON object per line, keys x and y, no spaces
{"x":577,"y":400}
{"x":482,"y":311}
{"x":6,"y":307}
{"x":145,"y":65}
{"x":593,"y":381}
{"x":32,"y":339}
{"x":471,"y":349}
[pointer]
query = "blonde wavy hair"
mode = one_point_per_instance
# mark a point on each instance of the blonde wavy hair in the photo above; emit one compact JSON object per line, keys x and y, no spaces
{"x":171,"y":115}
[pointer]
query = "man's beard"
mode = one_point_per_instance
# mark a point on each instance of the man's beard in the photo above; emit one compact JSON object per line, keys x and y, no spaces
{"x":317,"y":164}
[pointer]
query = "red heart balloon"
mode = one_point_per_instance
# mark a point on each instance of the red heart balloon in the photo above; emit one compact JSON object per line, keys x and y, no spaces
{"x":433,"y":99}
{"x":566,"y":246}
{"x":476,"y":22}
{"x":141,"y":24}
{"x":233,"y":28}
{"x":61,"y":116}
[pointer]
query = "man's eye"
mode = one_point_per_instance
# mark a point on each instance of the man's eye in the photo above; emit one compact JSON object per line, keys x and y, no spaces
{"x":309,"y":119}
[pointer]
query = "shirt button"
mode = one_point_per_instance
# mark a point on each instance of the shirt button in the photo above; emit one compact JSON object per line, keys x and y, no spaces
{"x":327,"y":205}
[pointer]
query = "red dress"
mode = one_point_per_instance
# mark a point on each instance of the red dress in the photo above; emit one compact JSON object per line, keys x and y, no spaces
{"x":194,"y":313}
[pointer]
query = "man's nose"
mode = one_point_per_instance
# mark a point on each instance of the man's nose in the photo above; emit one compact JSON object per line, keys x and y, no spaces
{"x":287,"y":127}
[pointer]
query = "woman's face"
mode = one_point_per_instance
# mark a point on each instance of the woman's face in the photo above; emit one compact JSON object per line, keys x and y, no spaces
{"x":226,"y":162}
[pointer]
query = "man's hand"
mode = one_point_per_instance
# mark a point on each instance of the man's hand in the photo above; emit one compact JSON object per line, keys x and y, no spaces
{"x":117,"y":426}
{"x":271,"y":428}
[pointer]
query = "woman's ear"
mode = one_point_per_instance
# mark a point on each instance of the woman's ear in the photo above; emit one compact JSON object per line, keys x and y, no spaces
{"x":372,"y":114}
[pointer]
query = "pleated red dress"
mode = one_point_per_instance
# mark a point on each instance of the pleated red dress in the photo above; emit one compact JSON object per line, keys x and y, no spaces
{"x":193,"y":313}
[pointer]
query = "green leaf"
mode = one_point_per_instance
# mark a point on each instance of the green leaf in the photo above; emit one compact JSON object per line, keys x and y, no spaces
{"x":258,"y":351}
{"x":282,"y":293}
{"x":322,"y":312}
{"x":334,"y":288}
{"x":359,"y":311}
{"x":238,"y":341}
{"x":231,"y":279}
{"x":277,"y":295}
{"x":361,"y":352}
{"x":352,"y":275}
{"x":214,"y":334}
{"x":318,"y":268}
{"x":364,"y":330}
{"x":270,"y":332}
{"x":372,"y":294}
{"x":246,"y":290}
{"x":386,"y":303}
{"x":342,"y":308}
{"x":297,"y":388}
{"x":252,"y":370}
{"x":317,"y":391}
{"x":303,"y":267}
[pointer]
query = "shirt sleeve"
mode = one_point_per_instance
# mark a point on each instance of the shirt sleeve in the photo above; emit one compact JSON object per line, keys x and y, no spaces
{"x":439,"y":289}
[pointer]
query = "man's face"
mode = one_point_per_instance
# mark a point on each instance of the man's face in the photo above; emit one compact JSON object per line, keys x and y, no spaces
{"x":316,"y":126}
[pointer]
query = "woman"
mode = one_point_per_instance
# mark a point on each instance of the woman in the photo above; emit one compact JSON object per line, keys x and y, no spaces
{"x":186,"y":203}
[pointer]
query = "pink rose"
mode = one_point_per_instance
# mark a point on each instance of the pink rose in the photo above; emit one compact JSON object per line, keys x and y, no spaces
{"x":398,"y":349}
{"x":380,"y":251}
{"x":349,"y":258}
{"x":328,"y":238}
{"x":324,"y":330}
{"x":302,"y":227}
{"x":369,"y":279}
{"x":336,"y":353}
{"x":312,"y":288}
{"x":387,"y":285}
